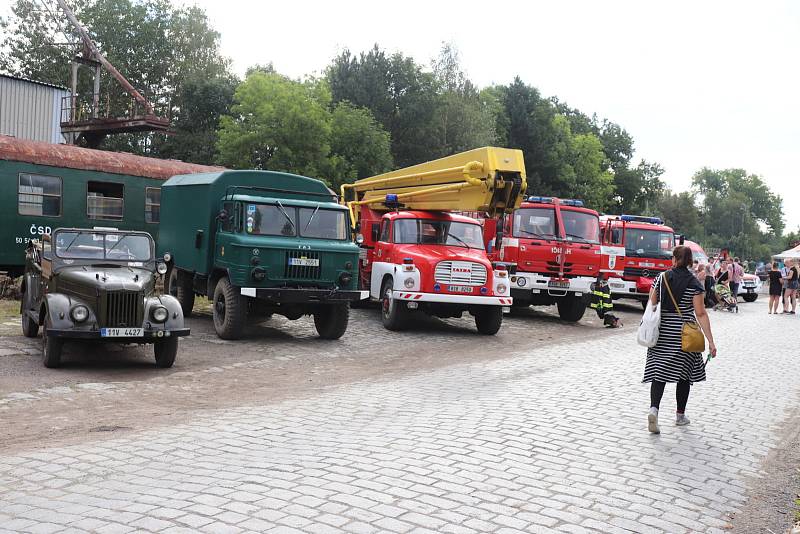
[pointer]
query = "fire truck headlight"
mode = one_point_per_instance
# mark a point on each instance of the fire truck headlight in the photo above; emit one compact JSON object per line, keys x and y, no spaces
{"x":521,"y":281}
{"x":501,"y":288}
{"x":409,"y":283}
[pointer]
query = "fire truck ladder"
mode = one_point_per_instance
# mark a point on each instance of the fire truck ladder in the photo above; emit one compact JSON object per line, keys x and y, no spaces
{"x":490,"y":180}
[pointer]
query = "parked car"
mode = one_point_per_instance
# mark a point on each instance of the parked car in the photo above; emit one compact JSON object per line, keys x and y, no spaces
{"x":762,"y":271}
{"x":98,"y":284}
{"x":751,"y":284}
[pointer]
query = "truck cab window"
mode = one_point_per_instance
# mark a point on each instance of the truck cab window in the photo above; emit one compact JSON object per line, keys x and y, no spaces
{"x":384,"y":235}
{"x":535,"y":222}
{"x":104,"y":200}
{"x":266,"y":219}
{"x":322,"y":223}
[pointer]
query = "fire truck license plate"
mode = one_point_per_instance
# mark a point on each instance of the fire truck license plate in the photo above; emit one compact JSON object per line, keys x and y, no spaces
{"x":121,"y":332}
{"x":459,"y":289}
{"x":559,"y":284}
{"x":304,"y":262}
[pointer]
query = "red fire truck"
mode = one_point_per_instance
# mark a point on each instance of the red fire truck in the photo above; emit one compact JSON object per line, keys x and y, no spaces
{"x":555,"y":244}
{"x":418,"y":254}
{"x":647,"y":244}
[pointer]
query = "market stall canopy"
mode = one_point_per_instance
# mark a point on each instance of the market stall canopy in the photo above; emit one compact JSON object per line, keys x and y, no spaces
{"x":793,"y":253}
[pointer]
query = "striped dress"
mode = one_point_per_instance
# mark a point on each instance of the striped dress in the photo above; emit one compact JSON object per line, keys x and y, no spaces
{"x":666,"y":362}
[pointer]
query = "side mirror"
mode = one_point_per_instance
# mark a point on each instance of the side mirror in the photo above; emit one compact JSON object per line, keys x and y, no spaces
{"x":359,"y":239}
{"x":222,"y":215}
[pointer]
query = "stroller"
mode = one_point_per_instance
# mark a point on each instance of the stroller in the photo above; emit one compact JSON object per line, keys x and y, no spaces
{"x":725,"y":299}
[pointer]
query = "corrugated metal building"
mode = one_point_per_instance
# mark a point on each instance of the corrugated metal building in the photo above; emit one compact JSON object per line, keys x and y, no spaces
{"x":31,"y":110}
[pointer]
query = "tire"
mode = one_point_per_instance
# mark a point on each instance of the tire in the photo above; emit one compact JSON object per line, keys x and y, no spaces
{"x":229,"y":310}
{"x":30,"y":328}
{"x":750,"y":297}
{"x":165,"y":352}
{"x":571,"y":308}
{"x":51,"y":347}
{"x":180,"y":287}
{"x":330,"y":320}
{"x":488,"y":319}
{"x":394,"y":314}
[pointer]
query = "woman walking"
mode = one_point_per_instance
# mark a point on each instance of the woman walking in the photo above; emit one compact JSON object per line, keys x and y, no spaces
{"x":792,"y":284}
{"x":666,"y":362}
{"x":775,"y":287}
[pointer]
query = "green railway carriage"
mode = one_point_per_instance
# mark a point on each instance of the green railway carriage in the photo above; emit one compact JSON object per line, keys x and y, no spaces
{"x":45,"y":186}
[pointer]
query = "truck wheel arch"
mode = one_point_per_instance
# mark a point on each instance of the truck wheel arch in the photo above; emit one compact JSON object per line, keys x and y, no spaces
{"x":216,"y":276}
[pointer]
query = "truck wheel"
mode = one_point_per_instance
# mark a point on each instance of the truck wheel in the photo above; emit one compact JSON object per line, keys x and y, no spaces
{"x":166,"y":351}
{"x":488,"y":319}
{"x":394,"y":313}
{"x":571,"y":308}
{"x":750,"y":297}
{"x":229,"y":310}
{"x":180,"y":287}
{"x":30,"y":328}
{"x":330,"y":320}
{"x":51,"y":347}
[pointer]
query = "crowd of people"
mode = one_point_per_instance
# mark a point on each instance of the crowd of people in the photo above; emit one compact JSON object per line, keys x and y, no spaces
{"x":722,"y":276}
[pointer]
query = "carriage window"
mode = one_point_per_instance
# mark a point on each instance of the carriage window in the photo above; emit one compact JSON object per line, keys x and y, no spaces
{"x":152,"y":204}
{"x":39,"y":195}
{"x":104,"y":200}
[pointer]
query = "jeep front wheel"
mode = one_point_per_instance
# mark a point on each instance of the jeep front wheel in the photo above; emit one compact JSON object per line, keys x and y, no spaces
{"x":51,"y":347}
{"x":330,"y":320}
{"x":229,"y":310}
{"x":394,"y":313}
{"x":571,"y":308}
{"x":180,"y":286}
{"x":166,"y":351}
{"x":488,"y":319}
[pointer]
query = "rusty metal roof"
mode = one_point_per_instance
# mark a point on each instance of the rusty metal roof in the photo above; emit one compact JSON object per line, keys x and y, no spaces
{"x":13,"y":149}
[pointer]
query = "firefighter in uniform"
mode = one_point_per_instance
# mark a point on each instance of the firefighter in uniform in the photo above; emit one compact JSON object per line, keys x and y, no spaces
{"x":602,"y":303}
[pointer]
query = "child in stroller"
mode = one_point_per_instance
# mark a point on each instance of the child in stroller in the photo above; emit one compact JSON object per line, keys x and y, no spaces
{"x":725,"y":299}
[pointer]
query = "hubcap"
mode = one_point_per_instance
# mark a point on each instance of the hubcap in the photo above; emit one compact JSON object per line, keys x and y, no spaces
{"x":387,"y":302}
{"x":219,"y":306}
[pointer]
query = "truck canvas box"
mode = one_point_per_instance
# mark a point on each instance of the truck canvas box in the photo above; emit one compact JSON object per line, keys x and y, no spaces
{"x":259,"y":242}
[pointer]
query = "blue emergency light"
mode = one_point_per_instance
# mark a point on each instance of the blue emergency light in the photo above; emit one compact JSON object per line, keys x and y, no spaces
{"x":639,"y":218}
{"x":541,"y":200}
{"x":573,"y":202}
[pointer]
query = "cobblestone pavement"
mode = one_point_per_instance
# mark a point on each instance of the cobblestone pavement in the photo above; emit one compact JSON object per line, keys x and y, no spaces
{"x":547,"y":439}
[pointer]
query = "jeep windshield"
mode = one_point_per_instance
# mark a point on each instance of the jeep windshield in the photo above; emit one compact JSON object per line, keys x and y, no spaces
{"x":430,"y":232}
{"x":292,"y":221}
{"x":103,"y":246}
{"x":648,"y":243}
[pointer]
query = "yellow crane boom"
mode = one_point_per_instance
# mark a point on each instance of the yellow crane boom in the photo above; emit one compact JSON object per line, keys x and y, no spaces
{"x":487,"y":179}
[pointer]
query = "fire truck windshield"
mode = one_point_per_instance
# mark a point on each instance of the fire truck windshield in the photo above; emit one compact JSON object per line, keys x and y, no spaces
{"x":535,"y":222}
{"x":430,"y":232}
{"x":648,"y":243}
{"x":581,"y":226}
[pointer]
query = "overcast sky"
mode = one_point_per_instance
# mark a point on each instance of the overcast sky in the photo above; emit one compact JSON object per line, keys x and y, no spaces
{"x":695,"y":83}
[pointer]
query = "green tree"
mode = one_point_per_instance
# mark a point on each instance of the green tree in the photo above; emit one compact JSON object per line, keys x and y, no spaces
{"x":360,"y":147}
{"x":638,"y":189}
{"x":277,"y":123}
{"x":679,"y":211}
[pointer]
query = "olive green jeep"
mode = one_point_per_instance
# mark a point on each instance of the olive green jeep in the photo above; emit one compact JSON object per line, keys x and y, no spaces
{"x":98,"y":284}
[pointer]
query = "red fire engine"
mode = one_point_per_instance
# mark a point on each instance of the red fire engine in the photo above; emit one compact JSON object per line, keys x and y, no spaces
{"x":418,"y":254}
{"x":555,"y":245}
{"x":647,"y":244}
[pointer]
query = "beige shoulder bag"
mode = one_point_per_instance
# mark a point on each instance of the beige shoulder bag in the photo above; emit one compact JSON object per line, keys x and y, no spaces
{"x":692,"y":339}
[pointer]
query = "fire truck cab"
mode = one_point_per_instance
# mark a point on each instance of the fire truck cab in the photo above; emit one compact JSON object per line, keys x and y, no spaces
{"x":647,"y":244}
{"x":418,"y":254}
{"x":555,"y":244}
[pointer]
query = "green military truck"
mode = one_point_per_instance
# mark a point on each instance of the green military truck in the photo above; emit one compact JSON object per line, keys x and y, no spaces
{"x":259,"y":242}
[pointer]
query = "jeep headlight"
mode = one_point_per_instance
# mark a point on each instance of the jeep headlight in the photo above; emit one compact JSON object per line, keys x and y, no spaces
{"x":161,"y":268}
{"x":408,"y":282}
{"x":79,"y":313}
{"x":159,"y":314}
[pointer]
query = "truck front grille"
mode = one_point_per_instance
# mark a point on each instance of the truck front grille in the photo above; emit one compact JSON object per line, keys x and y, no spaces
{"x":124,"y":309}
{"x":466,"y":273}
{"x":295,"y":269}
{"x":647,"y":272}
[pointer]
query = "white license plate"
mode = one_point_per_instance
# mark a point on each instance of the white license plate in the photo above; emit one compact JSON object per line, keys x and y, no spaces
{"x":558,"y":284}
{"x":459,"y":289}
{"x":647,"y":264}
{"x":304,"y":262}
{"x":121,"y":332}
